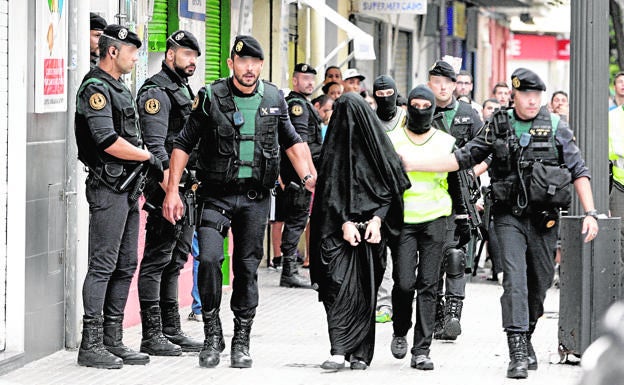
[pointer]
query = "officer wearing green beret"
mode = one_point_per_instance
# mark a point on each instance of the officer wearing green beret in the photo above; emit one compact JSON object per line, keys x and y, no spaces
{"x":535,"y":158}
{"x":240,"y":123}
{"x":164,"y":102}
{"x":307,"y":122}
{"x":110,"y":145}
{"x":97,"y":25}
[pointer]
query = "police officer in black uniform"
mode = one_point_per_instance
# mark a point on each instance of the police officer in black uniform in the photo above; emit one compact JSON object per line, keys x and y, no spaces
{"x":464,"y":124}
{"x":307,"y":122}
{"x":110,"y":145}
{"x":534,"y":159}
{"x":164,"y":102}
{"x":240,"y":123}
{"x":97,"y":25}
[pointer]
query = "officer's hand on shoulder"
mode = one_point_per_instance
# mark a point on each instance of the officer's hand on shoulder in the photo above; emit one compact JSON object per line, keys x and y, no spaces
{"x":155,"y":168}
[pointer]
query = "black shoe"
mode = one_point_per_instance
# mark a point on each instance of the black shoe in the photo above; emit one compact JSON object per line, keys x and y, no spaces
{"x":398,"y":346}
{"x":421,"y":362}
{"x":357,"y":364}
{"x":153,"y":342}
{"x":113,"y":342}
{"x":172,"y":329}
{"x":332,"y":365}
{"x":519,"y":364}
{"x":531,"y":356}
{"x":290,"y":275}
{"x":239,"y":354}
{"x":452,"y":315}
{"x":92,"y":352}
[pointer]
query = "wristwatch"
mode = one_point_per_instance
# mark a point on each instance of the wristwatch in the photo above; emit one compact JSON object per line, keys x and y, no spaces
{"x":305,"y":179}
{"x":592,"y":213}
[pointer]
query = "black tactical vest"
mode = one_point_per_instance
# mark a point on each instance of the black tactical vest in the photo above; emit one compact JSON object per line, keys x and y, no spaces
{"x":542,"y":147}
{"x":461,"y":127}
{"x":125,"y":121}
{"x":219,"y":161}
{"x":315,"y":138}
{"x":180,"y":105}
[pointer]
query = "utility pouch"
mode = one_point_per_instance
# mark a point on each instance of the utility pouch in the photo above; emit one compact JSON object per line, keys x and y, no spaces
{"x":503,"y":192}
{"x":112,"y":172}
{"x":549,"y":186}
{"x":545,"y":220}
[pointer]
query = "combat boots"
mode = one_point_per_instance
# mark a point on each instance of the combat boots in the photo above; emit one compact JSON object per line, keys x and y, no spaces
{"x":154,"y":342}
{"x":531,"y":356}
{"x":92,"y":351}
{"x":214,"y":343}
{"x":173,"y":331}
{"x":239,"y":355}
{"x":519,"y":364}
{"x":113,"y":342}
{"x":438,"y":326}
{"x":290,"y":274}
{"x":452,"y":316}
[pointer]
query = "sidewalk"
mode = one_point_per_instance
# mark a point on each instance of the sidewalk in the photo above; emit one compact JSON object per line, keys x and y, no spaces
{"x":289,"y":341}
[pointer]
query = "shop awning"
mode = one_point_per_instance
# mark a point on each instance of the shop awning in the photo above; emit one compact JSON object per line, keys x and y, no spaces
{"x":363,"y":47}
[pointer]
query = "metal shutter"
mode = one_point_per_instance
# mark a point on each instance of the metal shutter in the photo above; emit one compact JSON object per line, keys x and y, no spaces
{"x":217,"y":38}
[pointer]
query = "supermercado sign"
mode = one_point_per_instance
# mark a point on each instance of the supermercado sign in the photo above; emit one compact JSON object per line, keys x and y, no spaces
{"x":414,"y":6}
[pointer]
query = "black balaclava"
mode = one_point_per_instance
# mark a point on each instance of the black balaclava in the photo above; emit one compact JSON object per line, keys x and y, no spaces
{"x":419,"y":120}
{"x":386,"y":106}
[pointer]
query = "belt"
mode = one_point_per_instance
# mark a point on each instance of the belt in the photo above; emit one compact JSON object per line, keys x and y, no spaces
{"x":251,"y":190}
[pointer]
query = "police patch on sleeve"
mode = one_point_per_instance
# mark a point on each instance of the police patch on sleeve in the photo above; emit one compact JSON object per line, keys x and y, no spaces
{"x":97,"y":101}
{"x":152,"y":106}
{"x":195,"y":103}
{"x":296,"y":110}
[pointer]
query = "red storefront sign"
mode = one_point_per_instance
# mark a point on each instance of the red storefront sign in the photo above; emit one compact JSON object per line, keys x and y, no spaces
{"x":536,"y":47}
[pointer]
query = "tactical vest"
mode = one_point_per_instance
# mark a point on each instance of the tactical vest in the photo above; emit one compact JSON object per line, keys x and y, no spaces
{"x":125,"y":122}
{"x":180,"y":105}
{"x":219,"y":161}
{"x":461,"y":124}
{"x":507,"y":190}
{"x":315,"y":138}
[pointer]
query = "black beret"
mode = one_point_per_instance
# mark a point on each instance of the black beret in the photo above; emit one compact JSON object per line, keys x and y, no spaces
{"x":97,"y":22}
{"x":442,"y":68}
{"x":304,"y":69}
{"x":184,"y":39}
{"x":122,"y":34}
{"x":245,"y":45}
{"x":523,"y":79}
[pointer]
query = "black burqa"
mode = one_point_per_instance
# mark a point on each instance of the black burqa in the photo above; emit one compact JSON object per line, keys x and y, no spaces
{"x":359,"y":175}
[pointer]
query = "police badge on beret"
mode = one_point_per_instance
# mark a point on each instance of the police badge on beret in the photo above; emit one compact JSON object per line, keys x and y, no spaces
{"x":123,"y":33}
{"x":239,"y":46}
{"x":179,"y":36}
{"x":515,"y":82}
{"x":152,"y":106}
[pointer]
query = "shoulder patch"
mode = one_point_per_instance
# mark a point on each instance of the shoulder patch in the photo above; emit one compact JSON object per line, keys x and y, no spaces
{"x":97,"y":101}
{"x":152,"y":106}
{"x":296,"y":110}
{"x":195,"y":103}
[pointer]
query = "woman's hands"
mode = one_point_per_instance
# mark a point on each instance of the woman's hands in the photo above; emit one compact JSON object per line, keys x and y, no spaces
{"x":351,"y":233}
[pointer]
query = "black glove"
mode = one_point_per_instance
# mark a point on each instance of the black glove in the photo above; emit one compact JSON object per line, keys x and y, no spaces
{"x":155,"y":168}
{"x":462,"y":232}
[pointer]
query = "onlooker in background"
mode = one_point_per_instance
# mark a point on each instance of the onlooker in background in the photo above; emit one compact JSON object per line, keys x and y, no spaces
{"x":332,"y":74}
{"x":195,"y":314}
{"x":97,"y":26}
{"x":324,"y":106}
{"x":502,"y":93}
{"x":559,"y":104}
{"x":616,"y":155}
{"x":369,"y":99}
{"x":464,"y":87}
{"x":333,"y":90}
{"x":351,"y":80}
{"x":618,"y":87}
{"x":402,"y":101}
{"x":489,"y":106}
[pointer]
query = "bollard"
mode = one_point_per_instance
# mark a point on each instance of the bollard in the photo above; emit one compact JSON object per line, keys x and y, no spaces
{"x":590,"y":281}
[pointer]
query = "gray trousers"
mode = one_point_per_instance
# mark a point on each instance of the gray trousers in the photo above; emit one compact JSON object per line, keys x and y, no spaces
{"x":528,"y":266}
{"x":616,"y":205}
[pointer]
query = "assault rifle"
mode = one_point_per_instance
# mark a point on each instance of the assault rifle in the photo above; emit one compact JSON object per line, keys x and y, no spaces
{"x":468,"y":185}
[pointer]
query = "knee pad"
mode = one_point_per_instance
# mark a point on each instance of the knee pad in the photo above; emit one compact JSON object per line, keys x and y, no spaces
{"x":455,"y":262}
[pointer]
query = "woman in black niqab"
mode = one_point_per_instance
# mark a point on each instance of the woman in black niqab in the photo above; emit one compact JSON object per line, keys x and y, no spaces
{"x":358,"y":204}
